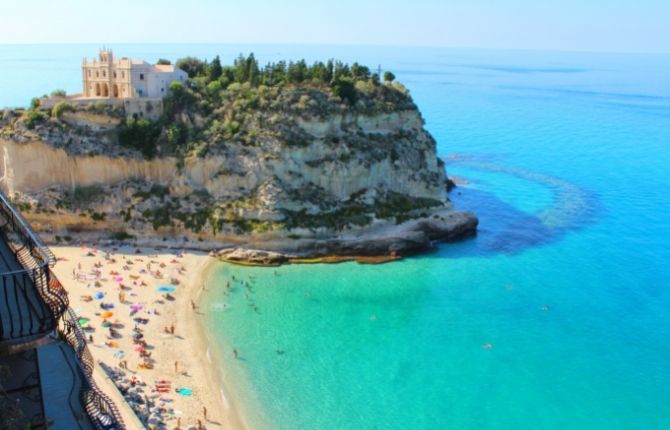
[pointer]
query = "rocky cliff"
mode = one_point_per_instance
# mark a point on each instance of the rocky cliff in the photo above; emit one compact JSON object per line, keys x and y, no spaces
{"x":293,"y":169}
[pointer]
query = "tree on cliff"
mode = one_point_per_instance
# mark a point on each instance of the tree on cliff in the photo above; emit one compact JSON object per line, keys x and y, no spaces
{"x":191,"y":65}
{"x":215,"y":69}
{"x":389,"y":77}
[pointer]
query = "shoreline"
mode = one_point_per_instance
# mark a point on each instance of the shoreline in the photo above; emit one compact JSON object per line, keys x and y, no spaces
{"x":183,"y":358}
{"x":374,"y":245}
{"x":212,"y":365}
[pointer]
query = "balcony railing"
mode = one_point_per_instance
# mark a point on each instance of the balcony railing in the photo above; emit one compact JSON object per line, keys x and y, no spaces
{"x":101,"y":409}
{"x":33,"y":298}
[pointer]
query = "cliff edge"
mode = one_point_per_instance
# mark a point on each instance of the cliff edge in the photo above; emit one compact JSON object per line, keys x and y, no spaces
{"x":341,"y":166}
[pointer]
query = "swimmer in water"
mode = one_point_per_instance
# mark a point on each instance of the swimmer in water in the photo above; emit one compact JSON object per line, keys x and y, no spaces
{"x":487,"y":345}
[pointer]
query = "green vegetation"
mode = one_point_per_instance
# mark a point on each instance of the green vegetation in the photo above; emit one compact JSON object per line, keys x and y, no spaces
{"x":355,"y":213}
{"x":141,"y":135}
{"x":34,"y":117}
{"x":389,"y":77}
{"x":83,"y":196}
{"x":245,"y":103}
{"x":58,"y":93}
{"x":163,"y":62}
{"x":97,"y":216}
{"x":61,"y":107}
{"x":155,"y":191}
{"x":121,"y":236}
{"x":400,"y":206}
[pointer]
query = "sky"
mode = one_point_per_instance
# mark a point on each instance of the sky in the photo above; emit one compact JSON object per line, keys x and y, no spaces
{"x":568,"y":25}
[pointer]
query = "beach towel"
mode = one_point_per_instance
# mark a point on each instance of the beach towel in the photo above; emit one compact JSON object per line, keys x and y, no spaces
{"x":184,"y":391}
{"x":166,"y":289}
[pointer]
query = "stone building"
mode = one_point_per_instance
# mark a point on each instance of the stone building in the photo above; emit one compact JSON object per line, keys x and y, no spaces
{"x":124,"y":78}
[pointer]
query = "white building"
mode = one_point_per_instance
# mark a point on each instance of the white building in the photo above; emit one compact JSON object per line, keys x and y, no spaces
{"x":108,"y":77}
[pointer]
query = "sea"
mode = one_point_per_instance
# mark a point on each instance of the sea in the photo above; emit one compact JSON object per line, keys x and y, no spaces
{"x":555,"y":316}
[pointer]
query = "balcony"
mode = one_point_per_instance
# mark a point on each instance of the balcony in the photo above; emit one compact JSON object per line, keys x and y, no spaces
{"x":47,"y":367}
{"x":31,"y":297}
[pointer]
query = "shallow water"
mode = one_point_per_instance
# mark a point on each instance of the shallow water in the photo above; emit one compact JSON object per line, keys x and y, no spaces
{"x":566,"y":161}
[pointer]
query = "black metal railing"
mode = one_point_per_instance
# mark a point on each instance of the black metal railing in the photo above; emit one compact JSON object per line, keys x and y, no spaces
{"x":99,"y":407}
{"x":33,"y":297}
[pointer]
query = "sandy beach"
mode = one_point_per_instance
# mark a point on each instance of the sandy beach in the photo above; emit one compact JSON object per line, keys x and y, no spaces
{"x":137,"y":306}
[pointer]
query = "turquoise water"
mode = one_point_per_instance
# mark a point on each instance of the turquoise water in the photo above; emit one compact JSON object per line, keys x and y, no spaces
{"x":566,"y":158}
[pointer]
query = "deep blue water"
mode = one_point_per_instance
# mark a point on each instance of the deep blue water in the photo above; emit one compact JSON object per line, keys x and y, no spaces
{"x":566,"y":159}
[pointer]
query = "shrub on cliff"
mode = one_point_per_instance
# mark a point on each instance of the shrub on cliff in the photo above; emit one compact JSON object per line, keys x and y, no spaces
{"x":344,"y":88}
{"x":32,"y":118}
{"x":58,"y":93}
{"x":141,"y":135}
{"x":61,"y":107}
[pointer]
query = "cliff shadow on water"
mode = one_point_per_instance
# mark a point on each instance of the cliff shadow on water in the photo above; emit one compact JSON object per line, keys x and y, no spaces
{"x":505,"y":228}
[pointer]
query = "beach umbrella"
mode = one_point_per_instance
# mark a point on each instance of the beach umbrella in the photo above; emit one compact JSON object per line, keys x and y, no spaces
{"x":107,"y":314}
{"x":83,"y":321}
{"x":118,"y":279}
{"x":99,"y":295}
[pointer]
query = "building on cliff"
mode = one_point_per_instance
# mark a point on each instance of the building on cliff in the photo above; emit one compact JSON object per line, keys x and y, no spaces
{"x":46,"y":377}
{"x":124,"y":78}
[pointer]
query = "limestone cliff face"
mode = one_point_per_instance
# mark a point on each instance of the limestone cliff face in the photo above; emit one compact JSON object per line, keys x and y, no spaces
{"x":323,"y":178}
{"x":36,"y":166}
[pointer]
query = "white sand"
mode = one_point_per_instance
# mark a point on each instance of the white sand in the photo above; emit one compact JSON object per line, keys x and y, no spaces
{"x":187,"y":347}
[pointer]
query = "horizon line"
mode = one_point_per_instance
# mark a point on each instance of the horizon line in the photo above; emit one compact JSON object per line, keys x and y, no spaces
{"x":365,"y":45}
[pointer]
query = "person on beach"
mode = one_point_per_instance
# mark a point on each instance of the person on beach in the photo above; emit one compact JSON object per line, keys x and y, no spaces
{"x":204,"y":413}
{"x":193,"y":306}
{"x":176,"y":367}
{"x":235,"y":353}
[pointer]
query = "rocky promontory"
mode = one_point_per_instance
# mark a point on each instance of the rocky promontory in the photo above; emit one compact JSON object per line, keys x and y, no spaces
{"x":293,"y":159}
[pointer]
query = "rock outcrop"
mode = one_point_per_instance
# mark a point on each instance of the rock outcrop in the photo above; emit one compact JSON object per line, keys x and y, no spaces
{"x":311,"y":176}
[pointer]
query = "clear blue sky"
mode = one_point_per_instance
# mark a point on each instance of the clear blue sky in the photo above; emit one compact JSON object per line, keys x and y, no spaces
{"x":588,"y":25}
